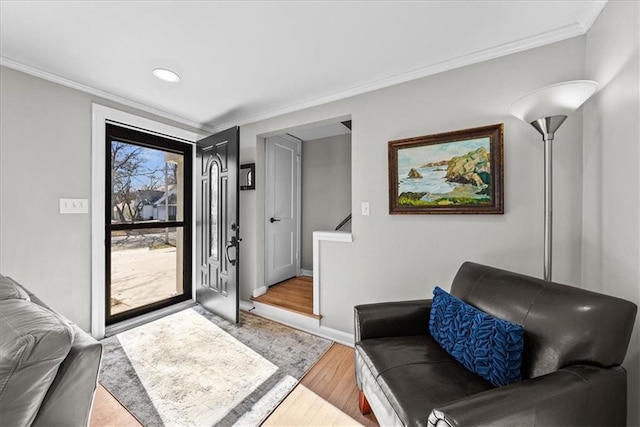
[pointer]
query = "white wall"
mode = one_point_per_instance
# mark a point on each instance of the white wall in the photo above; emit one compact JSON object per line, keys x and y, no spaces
{"x":404,"y":256}
{"x":45,"y":154}
{"x":611,"y":199}
{"x":326,"y":188}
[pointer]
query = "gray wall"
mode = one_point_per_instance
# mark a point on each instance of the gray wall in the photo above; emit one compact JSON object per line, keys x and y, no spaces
{"x":326,"y":188}
{"x":404,"y":256}
{"x":45,"y":154}
{"x":611,"y":200}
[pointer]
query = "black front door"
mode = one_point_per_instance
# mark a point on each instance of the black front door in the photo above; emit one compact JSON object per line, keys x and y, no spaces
{"x":218,"y":230}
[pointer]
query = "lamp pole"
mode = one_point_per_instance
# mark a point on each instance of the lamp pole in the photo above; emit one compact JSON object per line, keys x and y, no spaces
{"x":547,"y":127}
{"x":548,"y":206}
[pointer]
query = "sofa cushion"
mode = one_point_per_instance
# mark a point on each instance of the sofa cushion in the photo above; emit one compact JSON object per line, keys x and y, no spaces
{"x":486,"y":345}
{"x":33,"y":343}
{"x":416,"y":375}
{"x":9,"y":289}
{"x":382,"y":354}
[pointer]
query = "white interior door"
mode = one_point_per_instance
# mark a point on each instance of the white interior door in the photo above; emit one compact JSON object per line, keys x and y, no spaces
{"x":283,"y":208}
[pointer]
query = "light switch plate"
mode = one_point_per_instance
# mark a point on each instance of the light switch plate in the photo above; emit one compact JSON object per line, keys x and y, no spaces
{"x":365,"y":208}
{"x":74,"y":206}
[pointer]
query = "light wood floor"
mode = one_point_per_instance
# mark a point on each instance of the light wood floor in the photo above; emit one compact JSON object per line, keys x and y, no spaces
{"x":326,"y":396}
{"x":107,"y":411}
{"x":295,"y":295}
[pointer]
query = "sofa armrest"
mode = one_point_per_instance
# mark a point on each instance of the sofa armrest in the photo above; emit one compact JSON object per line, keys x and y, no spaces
{"x":391,"y":319}
{"x":576,"y":395}
{"x":69,"y":400}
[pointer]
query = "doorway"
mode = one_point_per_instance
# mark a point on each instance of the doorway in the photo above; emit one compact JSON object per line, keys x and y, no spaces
{"x":147,"y":228}
{"x":324,"y":191}
{"x":283,"y":185}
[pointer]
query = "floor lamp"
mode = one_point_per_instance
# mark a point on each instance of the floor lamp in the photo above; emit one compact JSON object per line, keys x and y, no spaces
{"x":546,"y":109}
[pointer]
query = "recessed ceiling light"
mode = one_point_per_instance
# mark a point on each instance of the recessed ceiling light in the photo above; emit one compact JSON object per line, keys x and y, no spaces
{"x":166,"y":75}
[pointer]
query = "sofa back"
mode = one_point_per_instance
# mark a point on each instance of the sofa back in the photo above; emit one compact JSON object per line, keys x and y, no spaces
{"x":564,"y":325}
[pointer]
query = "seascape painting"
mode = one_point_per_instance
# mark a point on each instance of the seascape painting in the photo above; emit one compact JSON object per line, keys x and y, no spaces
{"x":455,"y":172}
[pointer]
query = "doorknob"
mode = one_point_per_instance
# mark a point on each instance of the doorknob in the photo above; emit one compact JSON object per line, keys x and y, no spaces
{"x":272,"y":220}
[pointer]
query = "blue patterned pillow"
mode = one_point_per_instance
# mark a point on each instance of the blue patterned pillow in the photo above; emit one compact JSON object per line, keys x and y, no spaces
{"x":486,"y":345}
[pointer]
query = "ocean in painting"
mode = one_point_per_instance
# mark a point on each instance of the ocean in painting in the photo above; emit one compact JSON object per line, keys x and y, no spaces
{"x":433,"y":181}
{"x":423,"y":169}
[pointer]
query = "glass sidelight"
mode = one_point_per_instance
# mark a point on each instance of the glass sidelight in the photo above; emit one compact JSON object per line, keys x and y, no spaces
{"x":148,"y":222}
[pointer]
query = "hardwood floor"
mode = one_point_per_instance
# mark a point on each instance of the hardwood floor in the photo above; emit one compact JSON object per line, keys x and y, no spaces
{"x":326,"y":396}
{"x":107,"y":412}
{"x":295,"y":295}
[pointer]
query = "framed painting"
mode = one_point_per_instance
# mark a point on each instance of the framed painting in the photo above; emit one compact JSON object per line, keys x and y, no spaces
{"x":458,"y":172}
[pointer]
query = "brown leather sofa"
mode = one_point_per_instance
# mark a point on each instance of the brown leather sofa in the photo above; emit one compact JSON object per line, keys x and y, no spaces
{"x":574,"y":343}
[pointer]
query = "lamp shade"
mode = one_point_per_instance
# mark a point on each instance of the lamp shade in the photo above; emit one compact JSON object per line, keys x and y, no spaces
{"x":560,"y":99}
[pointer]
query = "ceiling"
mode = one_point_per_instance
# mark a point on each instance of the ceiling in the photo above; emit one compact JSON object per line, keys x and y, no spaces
{"x":312,"y":131}
{"x":244,"y":61}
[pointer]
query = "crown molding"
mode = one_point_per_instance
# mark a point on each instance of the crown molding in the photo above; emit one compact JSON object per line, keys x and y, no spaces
{"x":594,"y":9}
{"x":54,"y":78}
{"x":563,"y":33}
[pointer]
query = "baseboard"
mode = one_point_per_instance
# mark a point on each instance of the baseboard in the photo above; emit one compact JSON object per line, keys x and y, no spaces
{"x":297,"y":321}
{"x":336,"y":335}
{"x":308,"y":273}
{"x":246,"y":306}
{"x":259,"y":291}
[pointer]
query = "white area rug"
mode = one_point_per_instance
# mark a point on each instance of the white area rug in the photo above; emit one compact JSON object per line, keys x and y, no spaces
{"x":195,"y":369}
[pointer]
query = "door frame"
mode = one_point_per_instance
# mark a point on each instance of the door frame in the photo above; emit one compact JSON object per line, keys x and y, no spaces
{"x":267,"y":196}
{"x":99,"y":116}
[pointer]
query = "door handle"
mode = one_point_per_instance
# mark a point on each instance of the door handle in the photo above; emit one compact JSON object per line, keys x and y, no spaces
{"x":230,"y":244}
{"x":272,"y":220}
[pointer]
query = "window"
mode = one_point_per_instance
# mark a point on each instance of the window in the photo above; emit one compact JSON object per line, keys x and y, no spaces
{"x":147,"y":223}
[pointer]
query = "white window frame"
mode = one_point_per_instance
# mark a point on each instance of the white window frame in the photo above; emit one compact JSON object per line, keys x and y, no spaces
{"x":101,"y":115}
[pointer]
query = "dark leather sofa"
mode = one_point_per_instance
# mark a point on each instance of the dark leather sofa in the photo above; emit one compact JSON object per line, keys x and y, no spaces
{"x":574,"y":343}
